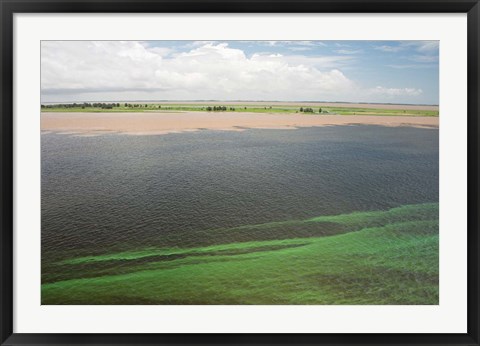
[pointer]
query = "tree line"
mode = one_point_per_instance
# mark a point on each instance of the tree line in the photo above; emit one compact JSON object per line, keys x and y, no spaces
{"x":219,"y":108}
{"x":309,"y":110}
{"x":83,"y":105}
{"x":104,"y":105}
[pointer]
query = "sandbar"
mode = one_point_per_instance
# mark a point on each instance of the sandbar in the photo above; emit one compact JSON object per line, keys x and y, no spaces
{"x":150,"y":123}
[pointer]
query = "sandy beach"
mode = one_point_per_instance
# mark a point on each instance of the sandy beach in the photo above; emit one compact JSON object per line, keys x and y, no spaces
{"x":162,"y":123}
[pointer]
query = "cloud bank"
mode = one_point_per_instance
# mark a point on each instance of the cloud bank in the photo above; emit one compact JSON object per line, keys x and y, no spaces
{"x":117,"y":71}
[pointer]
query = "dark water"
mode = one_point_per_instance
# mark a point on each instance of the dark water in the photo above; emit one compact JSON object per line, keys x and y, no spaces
{"x":117,"y":192}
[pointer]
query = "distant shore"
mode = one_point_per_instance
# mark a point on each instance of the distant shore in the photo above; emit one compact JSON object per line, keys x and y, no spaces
{"x":385,"y":106}
{"x":150,"y":123}
{"x":306,"y":104}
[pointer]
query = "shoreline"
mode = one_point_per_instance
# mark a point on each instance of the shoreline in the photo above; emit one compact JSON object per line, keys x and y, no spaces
{"x":163,"y":123}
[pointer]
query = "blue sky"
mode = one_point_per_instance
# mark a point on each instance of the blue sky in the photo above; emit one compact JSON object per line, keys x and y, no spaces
{"x":352,"y":71}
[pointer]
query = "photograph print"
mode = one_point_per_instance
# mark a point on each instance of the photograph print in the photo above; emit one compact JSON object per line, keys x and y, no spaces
{"x":239,"y":172}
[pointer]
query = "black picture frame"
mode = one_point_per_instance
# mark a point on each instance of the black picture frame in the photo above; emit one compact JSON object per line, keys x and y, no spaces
{"x":7,"y":175}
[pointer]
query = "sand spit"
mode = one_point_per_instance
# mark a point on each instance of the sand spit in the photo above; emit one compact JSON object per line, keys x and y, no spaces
{"x":162,"y":123}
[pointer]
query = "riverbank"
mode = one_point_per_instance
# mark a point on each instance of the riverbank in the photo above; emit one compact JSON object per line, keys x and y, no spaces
{"x":170,"y":122}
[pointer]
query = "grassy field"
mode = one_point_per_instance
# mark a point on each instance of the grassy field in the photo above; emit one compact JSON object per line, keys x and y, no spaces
{"x":243,"y":108}
{"x":376,"y":257}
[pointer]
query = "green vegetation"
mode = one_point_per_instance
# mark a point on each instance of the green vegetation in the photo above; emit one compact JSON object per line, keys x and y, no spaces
{"x":151,"y":107}
{"x":375,"y":257}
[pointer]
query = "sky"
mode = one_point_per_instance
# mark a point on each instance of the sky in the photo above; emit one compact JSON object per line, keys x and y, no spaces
{"x":349,"y":71}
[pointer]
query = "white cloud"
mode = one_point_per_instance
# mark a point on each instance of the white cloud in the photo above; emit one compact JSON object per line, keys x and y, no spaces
{"x":428,"y":46}
{"x":410,"y":66}
{"x":270,"y":43}
{"x":291,"y":44}
{"x":304,"y":43}
{"x":425,"y":46}
{"x":424,"y":58}
{"x":389,"y":49}
{"x":96,"y":65}
{"x":379,"y":90}
{"x":195,"y":44}
{"x":162,"y":51}
{"x":349,"y":51}
{"x":114,"y":70}
{"x":294,"y":48}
